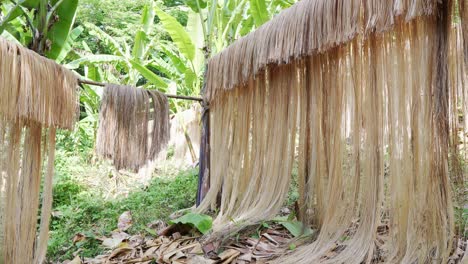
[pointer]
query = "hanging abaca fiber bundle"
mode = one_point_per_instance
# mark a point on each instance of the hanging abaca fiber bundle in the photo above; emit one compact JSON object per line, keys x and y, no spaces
{"x":133,"y":126}
{"x":372,"y":91}
{"x":37,"y":96}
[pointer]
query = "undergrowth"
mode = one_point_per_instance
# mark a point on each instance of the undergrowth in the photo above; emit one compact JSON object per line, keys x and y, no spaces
{"x":79,"y":210}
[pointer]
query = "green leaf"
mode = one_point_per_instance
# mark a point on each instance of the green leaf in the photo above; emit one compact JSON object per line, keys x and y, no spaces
{"x":67,"y":47}
{"x":178,"y":34}
{"x":283,"y":4}
{"x":30,"y":3}
{"x":297,"y":228}
{"x":106,"y":38}
{"x":247,"y":26}
{"x":195,"y":31}
{"x":14,"y":12}
{"x":147,"y":17}
{"x":86,"y":47}
{"x":151,"y":231}
{"x":176,"y":60}
{"x":194,"y":6}
{"x":259,"y":12}
{"x":94,"y":59}
{"x":139,"y":46}
{"x":58,"y":33}
{"x":190,"y":78}
{"x":141,"y":40}
{"x":149,"y":75}
{"x":201,"y":222}
{"x":92,"y":72}
{"x":168,"y":69}
{"x":10,"y":37}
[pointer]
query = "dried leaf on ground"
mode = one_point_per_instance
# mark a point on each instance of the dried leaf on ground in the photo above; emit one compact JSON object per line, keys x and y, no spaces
{"x":125,"y":221}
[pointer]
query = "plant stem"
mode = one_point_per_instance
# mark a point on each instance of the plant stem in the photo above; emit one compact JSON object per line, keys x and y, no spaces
{"x":202,"y":20}
{"x":45,"y":28}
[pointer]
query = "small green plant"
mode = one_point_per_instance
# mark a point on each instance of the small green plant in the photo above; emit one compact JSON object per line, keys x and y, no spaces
{"x":80,"y":211}
{"x":296,"y":228}
{"x":201,"y":222}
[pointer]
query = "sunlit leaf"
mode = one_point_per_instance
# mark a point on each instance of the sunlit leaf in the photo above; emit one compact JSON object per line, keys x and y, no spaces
{"x":296,"y":228}
{"x":67,"y":47}
{"x":149,"y":75}
{"x":58,"y":33}
{"x":106,"y":38}
{"x":201,"y":222}
{"x":259,"y":12}
{"x":140,"y":42}
{"x":101,"y":58}
{"x":177,"y":33}
{"x":194,"y":5}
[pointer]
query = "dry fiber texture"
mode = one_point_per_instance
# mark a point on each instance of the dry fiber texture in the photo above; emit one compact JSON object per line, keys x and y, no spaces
{"x":37,"y":96}
{"x":133,"y":126}
{"x":372,"y":91}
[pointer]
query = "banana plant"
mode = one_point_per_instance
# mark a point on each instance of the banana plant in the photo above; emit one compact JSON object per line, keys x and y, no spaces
{"x":42,"y":25}
{"x":129,"y":63}
{"x":211,"y":26}
{"x":182,"y":58}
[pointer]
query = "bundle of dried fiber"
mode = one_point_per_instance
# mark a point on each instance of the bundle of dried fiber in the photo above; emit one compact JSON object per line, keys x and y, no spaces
{"x":36,"y":88}
{"x":308,"y":27}
{"x":463,"y":4}
{"x":257,"y":135}
{"x":134,"y":126}
{"x":38,"y":96}
{"x":377,"y":125}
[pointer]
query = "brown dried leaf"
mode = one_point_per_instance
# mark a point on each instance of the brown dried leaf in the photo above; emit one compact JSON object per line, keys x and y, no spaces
{"x":76,"y":260}
{"x":120,"y":251}
{"x":78,"y":238}
{"x":246,"y":257}
{"x":200,"y":260}
{"x":125,"y":221}
{"x":229,"y":254}
{"x":115,"y":240}
{"x":197,"y":249}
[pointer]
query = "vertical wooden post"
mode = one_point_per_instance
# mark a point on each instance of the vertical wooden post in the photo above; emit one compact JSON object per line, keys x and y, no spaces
{"x":204,"y":172}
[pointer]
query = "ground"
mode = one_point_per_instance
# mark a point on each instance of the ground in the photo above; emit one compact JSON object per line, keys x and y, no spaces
{"x":88,"y":201}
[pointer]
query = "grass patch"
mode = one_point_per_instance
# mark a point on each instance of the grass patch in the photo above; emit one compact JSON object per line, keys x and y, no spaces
{"x":77,"y":209}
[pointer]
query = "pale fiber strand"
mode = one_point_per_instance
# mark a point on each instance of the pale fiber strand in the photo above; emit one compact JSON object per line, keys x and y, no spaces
{"x":36,"y":94}
{"x":133,"y":126}
{"x":46,"y":210}
{"x":36,"y":88}
{"x":316,"y":26}
{"x":376,"y":95}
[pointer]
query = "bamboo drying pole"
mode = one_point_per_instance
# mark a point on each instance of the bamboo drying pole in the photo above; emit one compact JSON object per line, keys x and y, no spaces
{"x":168,"y":95}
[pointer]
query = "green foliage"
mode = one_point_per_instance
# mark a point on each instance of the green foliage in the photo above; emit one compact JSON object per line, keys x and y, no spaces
{"x":58,"y":33}
{"x":259,"y":12}
{"x":78,"y":210}
{"x":196,"y":5}
{"x":178,"y":34}
{"x":68,"y":45}
{"x":201,"y":222}
{"x":149,"y":75}
{"x":120,"y":18}
{"x":296,"y":228}
{"x":13,"y":12}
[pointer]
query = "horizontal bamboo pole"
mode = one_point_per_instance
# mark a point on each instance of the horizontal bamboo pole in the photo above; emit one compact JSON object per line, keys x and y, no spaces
{"x":183,"y":97}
